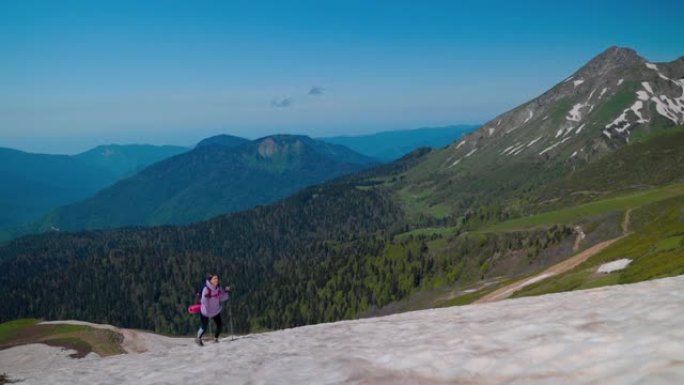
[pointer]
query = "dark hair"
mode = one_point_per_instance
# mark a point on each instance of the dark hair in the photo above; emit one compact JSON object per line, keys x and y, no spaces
{"x":212,"y":275}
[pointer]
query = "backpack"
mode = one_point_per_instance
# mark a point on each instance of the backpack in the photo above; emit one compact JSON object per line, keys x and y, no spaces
{"x":198,"y":293}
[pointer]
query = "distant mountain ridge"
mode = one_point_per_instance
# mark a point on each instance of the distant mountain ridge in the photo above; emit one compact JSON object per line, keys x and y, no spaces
{"x":126,"y":160}
{"x":391,"y":145}
{"x":108,"y":163}
{"x":217,"y":177}
{"x":33,"y":184}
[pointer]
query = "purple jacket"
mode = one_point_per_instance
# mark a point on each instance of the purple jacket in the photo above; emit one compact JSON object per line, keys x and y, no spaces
{"x":212,"y":297}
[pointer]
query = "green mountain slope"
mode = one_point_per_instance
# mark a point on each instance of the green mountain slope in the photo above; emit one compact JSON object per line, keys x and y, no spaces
{"x":655,"y":249}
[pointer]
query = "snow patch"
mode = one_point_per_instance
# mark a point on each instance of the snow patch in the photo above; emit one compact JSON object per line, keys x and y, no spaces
{"x":560,"y":132}
{"x":635,"y":108}
{"x":672,"y":109}
{"x":574,"y":113}
{"x":511,"y":129}
{"x":460,"y":144}
{"x":573,"y":154}
{"x":603,"y":91}
{"x":664,"y":109}
{"x":591,"y":94}
{"x":519,"y":151}
{"x":652,"y":66}
{"x":620,"y":81}
{"x":551,"y":147}
{"x":509,"y":148}
{"x":620,"y":123}
{"x":578,"y":82}
{"x":457,"y":161}
{"x":648,"y":88}
{"x":515,"y":148}
{"x":569,"y":130}
{"x":610,"y":267}
{"x":606,"y":133}
{"x":580,"y":128}
{"x":529,"y":117}
{"x":491,"y":131}
{"x":673,"y":105}
{"x":534,"y":141}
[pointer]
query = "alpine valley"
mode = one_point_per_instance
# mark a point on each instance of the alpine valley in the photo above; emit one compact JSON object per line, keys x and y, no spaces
{"x":590,"y":172}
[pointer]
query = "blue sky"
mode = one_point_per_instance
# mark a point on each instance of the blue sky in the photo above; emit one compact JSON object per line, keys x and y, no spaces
{"x":75,"y":74}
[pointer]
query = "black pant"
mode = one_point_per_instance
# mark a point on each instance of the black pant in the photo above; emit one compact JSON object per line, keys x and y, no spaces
{"x":205,"y":325}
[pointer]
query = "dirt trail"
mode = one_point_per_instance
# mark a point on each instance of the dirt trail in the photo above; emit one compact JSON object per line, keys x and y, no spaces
{"x":625,"y":222}
{"x":579,"y":238}
{"x":556,"y":269}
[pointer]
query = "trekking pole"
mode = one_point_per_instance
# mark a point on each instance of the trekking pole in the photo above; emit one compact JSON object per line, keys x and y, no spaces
{"x":230,"y":316}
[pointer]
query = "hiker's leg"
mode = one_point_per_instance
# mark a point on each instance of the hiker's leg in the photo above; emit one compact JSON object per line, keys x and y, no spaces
{"x":204,"y":327}
{"x":217,"y":321}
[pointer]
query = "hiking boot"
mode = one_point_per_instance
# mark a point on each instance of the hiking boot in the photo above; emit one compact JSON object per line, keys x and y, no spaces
{"x":199,"y":341}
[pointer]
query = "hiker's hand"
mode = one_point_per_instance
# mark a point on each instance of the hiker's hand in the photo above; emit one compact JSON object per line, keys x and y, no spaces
{"x":228,"y":289}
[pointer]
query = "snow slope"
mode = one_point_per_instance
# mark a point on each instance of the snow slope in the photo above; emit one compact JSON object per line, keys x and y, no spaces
{"x":631,"y":334}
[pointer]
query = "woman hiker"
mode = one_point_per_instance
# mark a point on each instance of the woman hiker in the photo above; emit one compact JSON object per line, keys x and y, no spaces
{"x":211,"y":297}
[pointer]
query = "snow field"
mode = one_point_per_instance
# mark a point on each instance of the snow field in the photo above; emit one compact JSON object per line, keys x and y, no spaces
{"x":614,"y":335}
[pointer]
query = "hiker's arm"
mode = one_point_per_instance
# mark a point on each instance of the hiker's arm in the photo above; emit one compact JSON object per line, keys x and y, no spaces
{"x":225,"y":294}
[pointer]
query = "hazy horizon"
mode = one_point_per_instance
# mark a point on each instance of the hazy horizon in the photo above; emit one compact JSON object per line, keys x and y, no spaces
{"x":79,"y":74}
{"x":89,"y":144}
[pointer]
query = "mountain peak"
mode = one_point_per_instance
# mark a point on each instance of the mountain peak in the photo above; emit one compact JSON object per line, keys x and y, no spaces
{"x":619,"y":52}
{"x":285,"y":138}
{"x":611,"y":59}
{"x":222,"y":140}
